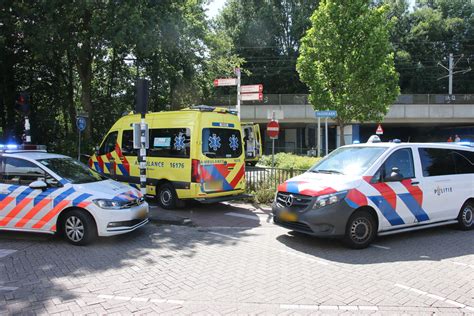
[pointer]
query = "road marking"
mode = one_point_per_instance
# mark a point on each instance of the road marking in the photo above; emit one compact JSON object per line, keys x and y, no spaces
{"x":8,"y":288}
{"x":254,"y":217}
{"x":140,"y":299}
{"x":436,"y":297}
{"x":330,"y":307}
{"x":460,"y":264}
{"x":6,"y":252}
{"x":303,"y":257}
{"x":381,"y":247}
{"x":224,"y":235}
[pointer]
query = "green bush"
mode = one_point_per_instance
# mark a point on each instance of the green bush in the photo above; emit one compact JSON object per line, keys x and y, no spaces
{"x":287,"y":161}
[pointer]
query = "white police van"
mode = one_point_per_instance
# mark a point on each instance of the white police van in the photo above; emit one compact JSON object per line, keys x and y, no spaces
{"x":363,"y":190}
{"x":51,"y":193}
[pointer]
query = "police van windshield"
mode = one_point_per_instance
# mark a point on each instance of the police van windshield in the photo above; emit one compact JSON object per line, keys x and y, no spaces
{"x":71,"y":170}
{"x":348,"y":160}
{"x":221,"y":143}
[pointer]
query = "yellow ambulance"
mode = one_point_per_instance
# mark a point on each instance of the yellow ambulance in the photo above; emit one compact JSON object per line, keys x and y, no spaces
{"x":195,"y":153}
{"x":252,"y":143}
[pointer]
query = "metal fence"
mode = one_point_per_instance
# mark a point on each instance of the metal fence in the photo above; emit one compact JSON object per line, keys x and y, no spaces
{"x":261,"y":178}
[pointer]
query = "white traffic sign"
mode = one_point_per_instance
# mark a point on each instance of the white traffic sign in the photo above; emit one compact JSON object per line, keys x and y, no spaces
{"x":251,"y":97}
{"x":251,"y":88}
{"x":221,"y":82}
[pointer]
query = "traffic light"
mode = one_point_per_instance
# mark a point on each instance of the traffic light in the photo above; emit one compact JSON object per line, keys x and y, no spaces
{"x":22,"y":103}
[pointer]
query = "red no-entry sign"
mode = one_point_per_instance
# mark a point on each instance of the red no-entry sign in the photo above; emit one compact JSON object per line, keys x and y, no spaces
{"x":273,"y":128}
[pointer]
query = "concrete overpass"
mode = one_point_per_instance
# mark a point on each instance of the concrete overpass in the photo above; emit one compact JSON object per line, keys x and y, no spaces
{"x":433,"y":116}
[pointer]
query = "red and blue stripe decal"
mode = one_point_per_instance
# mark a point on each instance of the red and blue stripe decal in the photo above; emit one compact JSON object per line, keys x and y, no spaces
{"x":355,"y":198}
{"x":294,"y":187}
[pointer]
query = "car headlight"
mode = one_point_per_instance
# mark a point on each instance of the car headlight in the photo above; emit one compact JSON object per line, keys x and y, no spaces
{"x":110,"y":204}
{"x":329,"y":199}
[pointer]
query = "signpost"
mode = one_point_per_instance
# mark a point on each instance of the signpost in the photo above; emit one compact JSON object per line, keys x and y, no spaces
{"x":252,"y":88}
{"x":244,"y":93}
{"x":251,"y":96}
{"x":326,"y":114}
{"x":225,"y":82}
{"x":273,"y":129}
{"x":81,"y":123}
{"x":379,"y":130}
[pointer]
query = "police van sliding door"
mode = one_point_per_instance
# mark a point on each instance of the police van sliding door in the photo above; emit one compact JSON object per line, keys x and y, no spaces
{"x":447,"y":180}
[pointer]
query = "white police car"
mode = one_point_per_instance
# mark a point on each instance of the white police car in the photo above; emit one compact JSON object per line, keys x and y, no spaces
{"x":51,"y":193}
{"x":361,"y":191}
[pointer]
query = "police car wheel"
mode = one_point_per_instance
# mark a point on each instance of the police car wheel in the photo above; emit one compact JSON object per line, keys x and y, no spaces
{"x":167,"y":196}
{"x":466,"y":216}
{"x":360,"y":230}
{"x":79,"y":228}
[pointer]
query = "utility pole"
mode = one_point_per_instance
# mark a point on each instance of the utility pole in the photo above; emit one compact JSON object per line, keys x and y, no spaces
{"x":451,"y":72}
{"x":237,"y":72}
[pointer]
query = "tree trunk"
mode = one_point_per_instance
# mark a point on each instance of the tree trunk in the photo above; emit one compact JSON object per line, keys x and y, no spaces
{"x":70,"y":90}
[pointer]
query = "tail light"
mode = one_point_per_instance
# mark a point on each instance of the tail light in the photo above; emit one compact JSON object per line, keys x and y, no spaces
{"x":195,"y":171}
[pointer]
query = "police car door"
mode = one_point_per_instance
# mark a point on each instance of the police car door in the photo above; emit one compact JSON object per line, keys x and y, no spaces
{"x":21,"y":205}
{"x":446,"y":188}
{"x":401,"y":198}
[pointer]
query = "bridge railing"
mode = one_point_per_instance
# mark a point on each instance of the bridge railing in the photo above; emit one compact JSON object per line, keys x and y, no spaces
{"x":303,"y":99}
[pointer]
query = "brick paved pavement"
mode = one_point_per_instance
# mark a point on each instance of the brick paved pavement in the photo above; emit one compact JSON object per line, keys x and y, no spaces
{"x":237,"y":265}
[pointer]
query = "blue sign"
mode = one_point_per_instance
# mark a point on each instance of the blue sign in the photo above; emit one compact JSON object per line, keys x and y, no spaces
{"x":81,"y":123}
{"x":327,"y":113}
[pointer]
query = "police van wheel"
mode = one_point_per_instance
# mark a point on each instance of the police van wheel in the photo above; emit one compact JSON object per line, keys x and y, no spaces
{"x":466,"y":216}
{"x":78,"y":227}
{"x":167,"y":197}
{"x":360,"y":230}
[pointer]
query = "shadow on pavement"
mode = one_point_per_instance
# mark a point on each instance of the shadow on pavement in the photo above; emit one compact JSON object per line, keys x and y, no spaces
{"x":46,"y":267}
{"x":430,"y":244}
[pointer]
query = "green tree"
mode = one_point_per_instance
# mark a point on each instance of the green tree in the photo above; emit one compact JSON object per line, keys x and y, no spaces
{"x":266,"y":34}
{"x":347,"y":63}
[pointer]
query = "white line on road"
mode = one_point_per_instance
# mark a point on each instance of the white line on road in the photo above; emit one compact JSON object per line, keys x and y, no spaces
{"x":381,"y":247}
{"x":329,"y":307}
{"x":433,"y":296}
{"x":6,"y":252}
{"x":303,"y":257}
{"x":224,"y":235}
{"x":8,"y":288}
{"x":255,"y":217}
{"x":460,"y":264}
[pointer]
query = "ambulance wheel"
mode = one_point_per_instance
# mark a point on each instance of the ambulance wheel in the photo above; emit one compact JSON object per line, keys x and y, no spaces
{"x":466,"y":216}
{"x":167,"y":197}
{"x":78,"y":227}
{"x":360,"y":230}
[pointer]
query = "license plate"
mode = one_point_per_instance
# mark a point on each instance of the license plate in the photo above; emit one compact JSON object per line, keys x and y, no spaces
{"x":213,"y":186}
{"x":288,"y":217}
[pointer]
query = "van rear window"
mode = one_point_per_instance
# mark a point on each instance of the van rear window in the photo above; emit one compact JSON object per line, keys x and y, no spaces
{"x":221,"y":143}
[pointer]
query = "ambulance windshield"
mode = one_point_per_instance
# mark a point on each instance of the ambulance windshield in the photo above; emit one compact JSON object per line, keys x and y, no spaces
{"x":71,"y":170}
{"x":348,"y":160}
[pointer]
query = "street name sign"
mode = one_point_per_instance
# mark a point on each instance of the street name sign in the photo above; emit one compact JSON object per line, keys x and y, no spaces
{"x":221,"y":82}
{"x":251,"y":97}
{"x":251,"y":88}
{"x":326,"y":113}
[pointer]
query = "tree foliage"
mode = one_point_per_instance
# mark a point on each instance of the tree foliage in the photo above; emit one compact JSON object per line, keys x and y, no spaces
{"x":347,"y":63}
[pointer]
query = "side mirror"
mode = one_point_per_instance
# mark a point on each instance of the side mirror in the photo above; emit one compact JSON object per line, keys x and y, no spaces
{"x":394,"y":176}
{"x":38,"y":185}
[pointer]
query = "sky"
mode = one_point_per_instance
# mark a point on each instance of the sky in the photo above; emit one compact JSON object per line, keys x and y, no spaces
{"x":215,"y":5}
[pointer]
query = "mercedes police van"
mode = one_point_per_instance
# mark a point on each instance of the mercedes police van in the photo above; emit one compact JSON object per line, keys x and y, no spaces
{"x":195,"y":153}
{"x":363,"y":190}
{"x":50,"y":193}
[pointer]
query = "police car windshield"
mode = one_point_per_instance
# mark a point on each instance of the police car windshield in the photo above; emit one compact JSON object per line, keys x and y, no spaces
{"x":348,"y":160}
{"x":71,"y":170}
